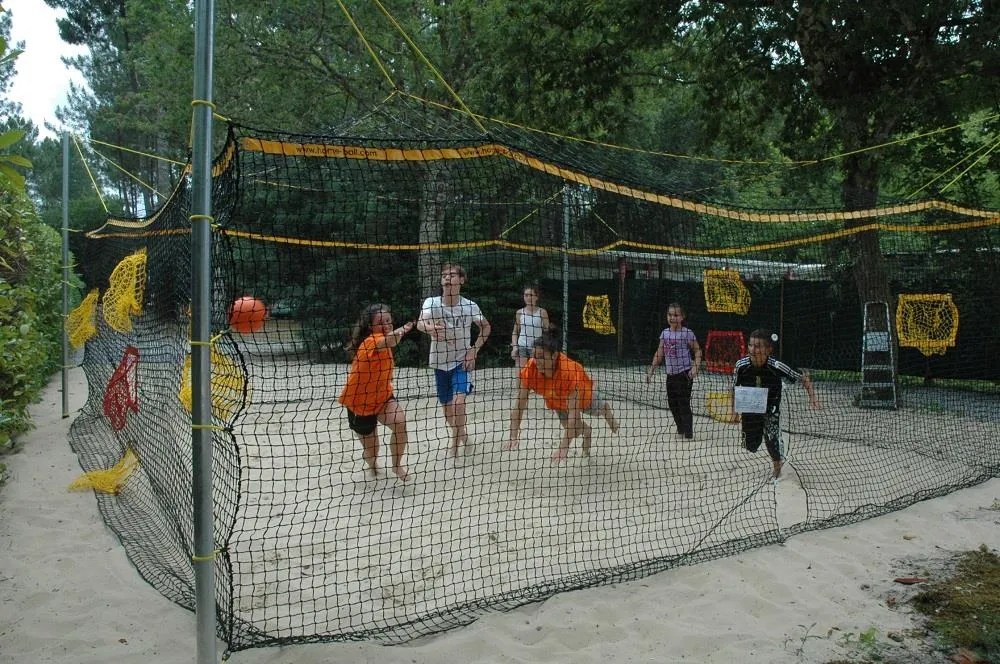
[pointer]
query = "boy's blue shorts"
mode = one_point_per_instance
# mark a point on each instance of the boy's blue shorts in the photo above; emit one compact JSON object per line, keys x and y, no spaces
{"x":451,"y":382}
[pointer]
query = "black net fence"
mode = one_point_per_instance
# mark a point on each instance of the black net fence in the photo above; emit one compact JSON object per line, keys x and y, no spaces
{"x":309,"y":230}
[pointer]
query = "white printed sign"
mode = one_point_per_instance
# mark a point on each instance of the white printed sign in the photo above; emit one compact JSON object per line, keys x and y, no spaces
{"x":750,"y":400}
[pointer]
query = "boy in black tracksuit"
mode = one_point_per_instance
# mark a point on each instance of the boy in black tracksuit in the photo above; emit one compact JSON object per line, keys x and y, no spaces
{"x":759,"y":369}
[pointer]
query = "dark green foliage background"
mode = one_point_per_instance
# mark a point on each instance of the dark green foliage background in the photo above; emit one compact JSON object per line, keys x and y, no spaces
{"x":30,"y":306}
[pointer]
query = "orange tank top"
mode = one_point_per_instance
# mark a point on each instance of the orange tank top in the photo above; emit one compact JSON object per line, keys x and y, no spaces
{"x":369,"y":383}
{"x":569,"y":376}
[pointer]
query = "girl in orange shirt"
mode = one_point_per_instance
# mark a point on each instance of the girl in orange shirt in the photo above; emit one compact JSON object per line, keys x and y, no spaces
{"x":367,"y":395}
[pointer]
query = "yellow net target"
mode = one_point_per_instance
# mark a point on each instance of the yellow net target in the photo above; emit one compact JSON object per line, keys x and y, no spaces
{"x":124,"y":296}
{"x":110,"y":480}
{"x":597,"y":314}
{"x":81,"y":323}
{"x":719,"y":406}
{"x":927,"y":322}
{"x":725,"y":292}
{"x":229,"y":386}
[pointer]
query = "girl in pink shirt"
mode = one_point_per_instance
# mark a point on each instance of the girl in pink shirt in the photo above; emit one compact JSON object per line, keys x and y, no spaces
{"x":680,"y":354}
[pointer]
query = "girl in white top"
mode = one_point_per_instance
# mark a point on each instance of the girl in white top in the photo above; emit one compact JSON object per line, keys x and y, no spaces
{"x":529,"y":324}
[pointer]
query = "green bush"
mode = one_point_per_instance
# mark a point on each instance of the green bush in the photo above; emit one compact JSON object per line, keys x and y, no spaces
{"x":30,"y":308}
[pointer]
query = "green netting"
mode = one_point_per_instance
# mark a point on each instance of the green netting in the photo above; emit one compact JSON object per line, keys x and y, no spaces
{"x":313,"y":548}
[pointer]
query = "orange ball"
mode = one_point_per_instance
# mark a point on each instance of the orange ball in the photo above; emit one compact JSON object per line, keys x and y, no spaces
{"x":247,"y":315}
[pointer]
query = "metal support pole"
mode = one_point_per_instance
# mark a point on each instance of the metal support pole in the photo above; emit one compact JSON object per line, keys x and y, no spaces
{"x":622,"y":270}
{"x":567,"y":217}
{"x":201,"y":319}
{"x":781,"y":319}
{"x":65,"y":273}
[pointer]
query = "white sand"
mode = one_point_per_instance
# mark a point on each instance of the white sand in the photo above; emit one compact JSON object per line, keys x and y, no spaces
{"x":68,"y":593}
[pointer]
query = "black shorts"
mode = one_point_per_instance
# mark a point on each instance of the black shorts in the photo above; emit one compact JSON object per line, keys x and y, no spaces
{"x":765,"y":429}
{"x":363,"y":424}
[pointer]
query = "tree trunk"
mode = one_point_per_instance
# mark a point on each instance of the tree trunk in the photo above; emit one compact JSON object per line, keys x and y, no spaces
{"x":162,"y":180}
{"x":860,"y":192}
{"x":433,"y":202}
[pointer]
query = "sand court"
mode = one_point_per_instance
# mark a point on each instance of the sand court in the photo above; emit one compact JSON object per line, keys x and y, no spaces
{"x":490,"y":527}
{"x":322,"y":549}
{"x":721,"y":610}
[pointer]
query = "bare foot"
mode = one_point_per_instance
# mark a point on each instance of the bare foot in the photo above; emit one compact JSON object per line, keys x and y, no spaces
{"x":511,"y":445}
{"x":559,"y":456}
{"x":453,"y":450}
{"x":777,"y":469}
{"x":401,"y":473}
{"x":373,"y":470}
{"x":609,"y":415}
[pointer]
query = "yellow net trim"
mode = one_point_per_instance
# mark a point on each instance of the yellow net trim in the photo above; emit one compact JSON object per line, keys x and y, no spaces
{"x":719,"y":406}
{"x":125,"y":293}
{"x":597,"y":314}
{"x":111,"y":480}
{"x":725,"y":292}
{"x":228,"y":386}
{"x":927,"y":322}
{"x":81,"y":323}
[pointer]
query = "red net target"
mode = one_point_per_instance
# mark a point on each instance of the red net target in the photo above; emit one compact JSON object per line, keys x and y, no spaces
{"x":122,"y":394}
{"x":722,"y":349}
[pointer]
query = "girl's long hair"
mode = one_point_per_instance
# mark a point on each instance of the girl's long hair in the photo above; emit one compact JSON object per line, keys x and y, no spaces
{"x":363,"y":327}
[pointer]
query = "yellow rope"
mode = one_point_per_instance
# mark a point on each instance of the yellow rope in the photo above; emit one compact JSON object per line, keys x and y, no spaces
{"x":126,"y":172}
{"x":983,"y":218}
{"x":89,"y":174}
{"x":364,"y":40}
{"x":657,"y":153}
{"x":203,"y":217}
{"x":210,"y":342}
{"x":587,"y":141}
{"x":137,"y":152}
{"x":993,"y":147}
{"x":98,"y":234}
{"x":423,"y":58}
{"x":194,"y":104}
{"x":694,"y":251}
{"x":530,"y":214}
{"x":948,"y":170}
{"x":606,"y":224}
{"x":908,"y":139}
{"x":206,"y":559}
{"x":482,"y":151}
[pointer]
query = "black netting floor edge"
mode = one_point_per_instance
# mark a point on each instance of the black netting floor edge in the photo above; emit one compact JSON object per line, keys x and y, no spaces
{"x":469,"y":612}
{"x":866,"y":512}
